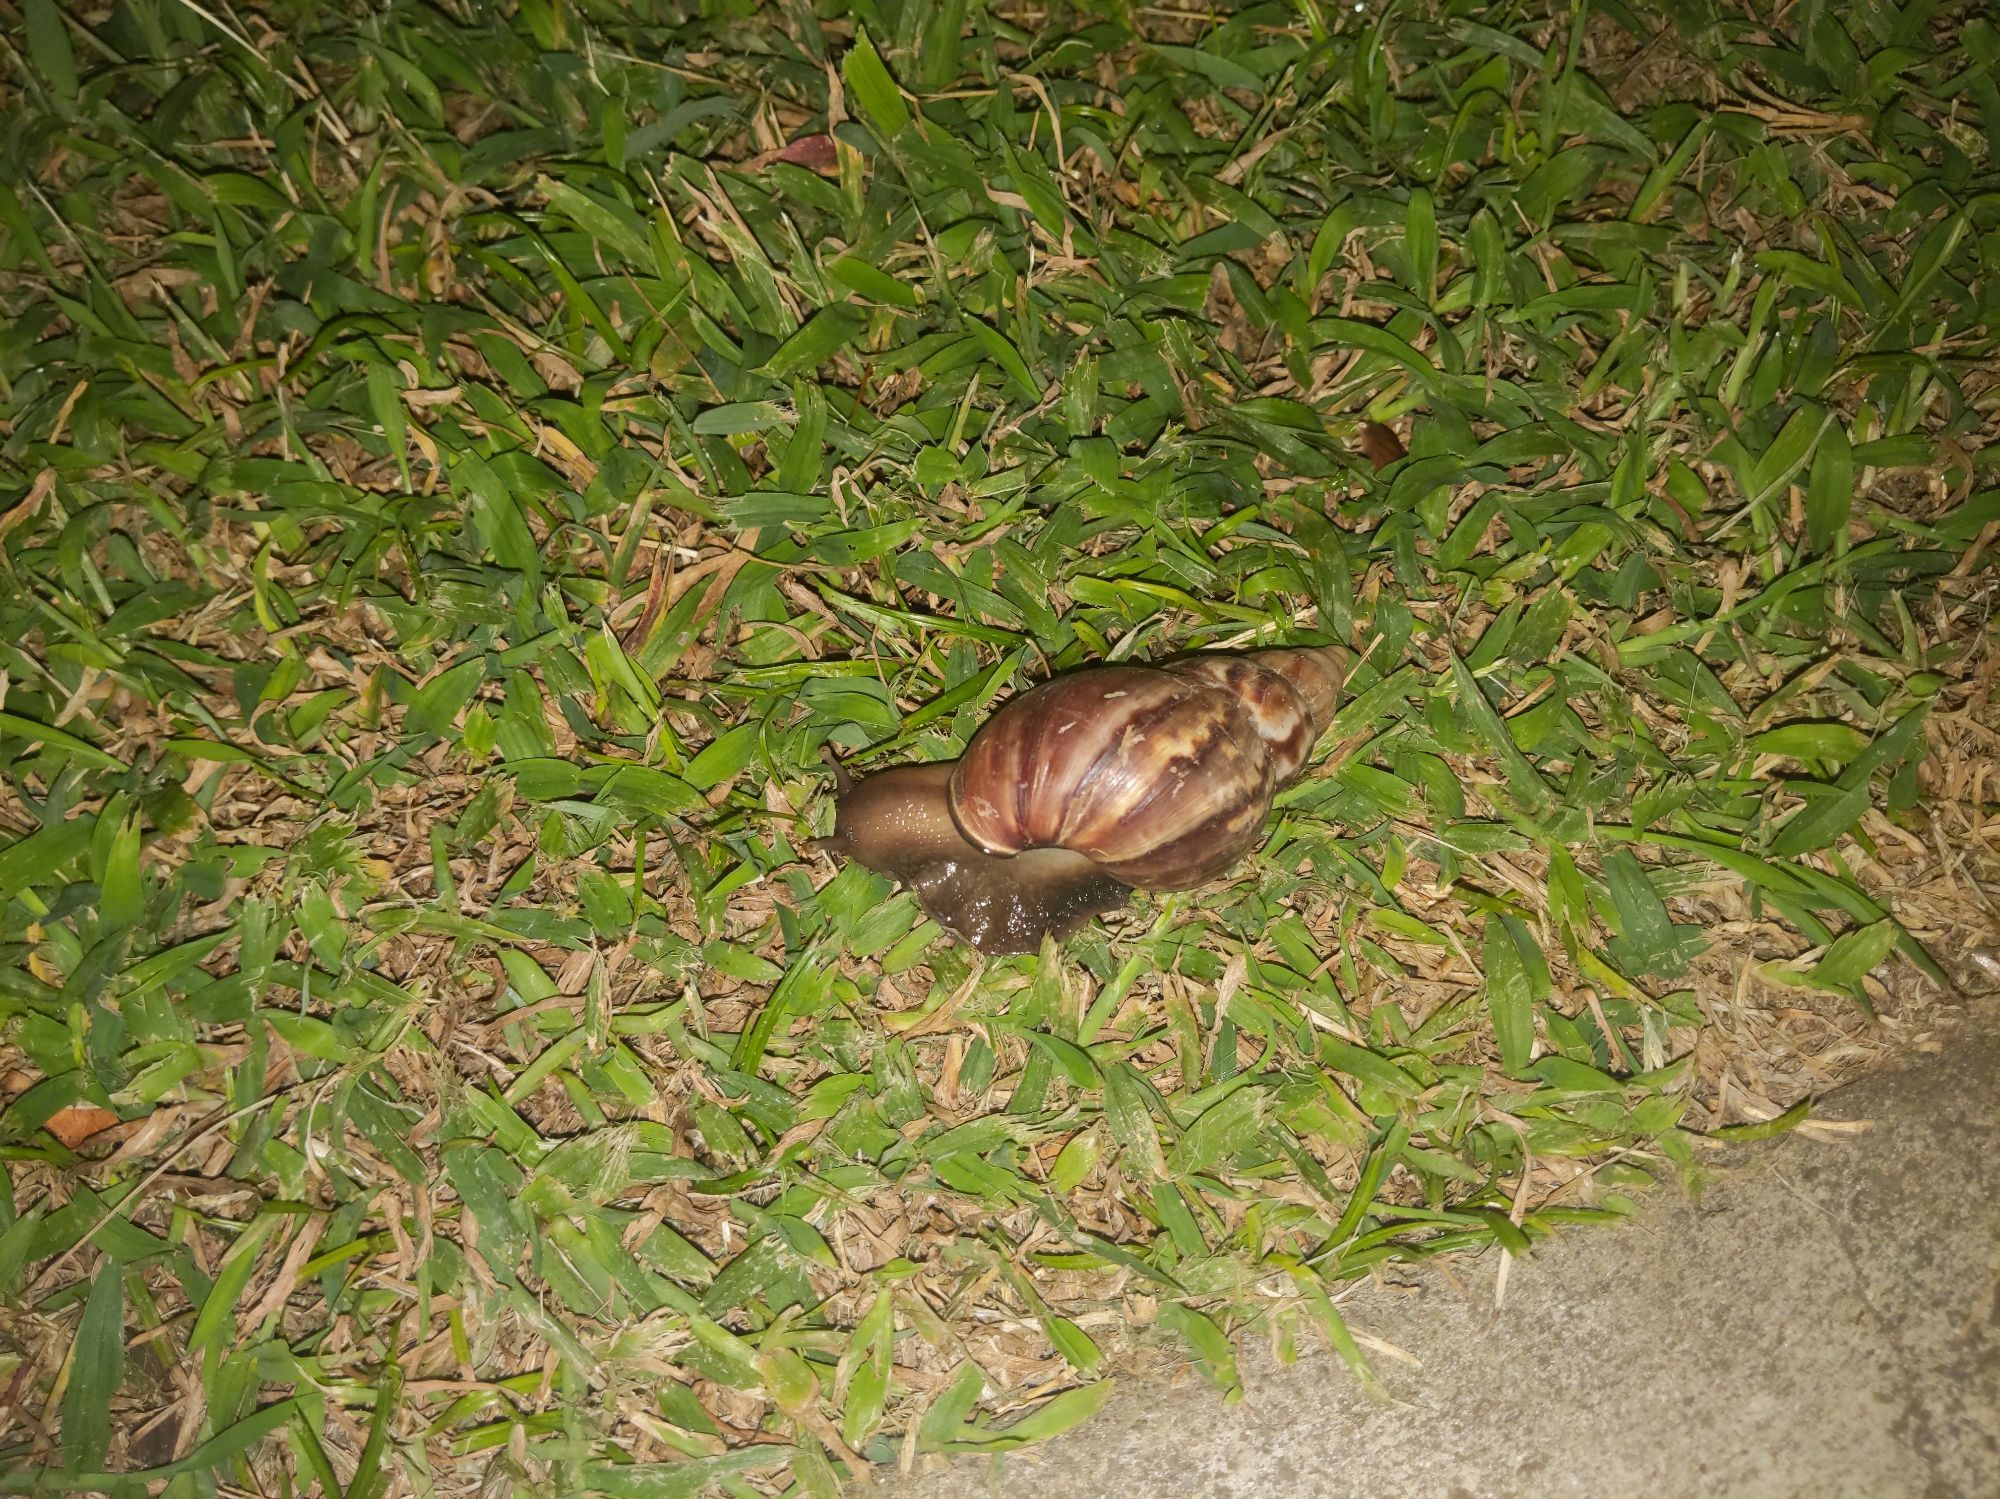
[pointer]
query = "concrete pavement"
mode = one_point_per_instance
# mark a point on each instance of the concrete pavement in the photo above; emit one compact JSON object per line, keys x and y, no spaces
{"x":1824,"y":1321}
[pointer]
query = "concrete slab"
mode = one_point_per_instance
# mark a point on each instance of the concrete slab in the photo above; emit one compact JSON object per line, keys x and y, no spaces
{"x":1823,"y":1322}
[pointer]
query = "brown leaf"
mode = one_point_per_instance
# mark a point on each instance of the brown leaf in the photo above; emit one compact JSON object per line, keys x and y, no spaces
{"x":78,"y":1122}
{"x":816,"y":153}
{"x":813,"y":152}
{"x":656,"y":603}
{"x":1380,"y":446}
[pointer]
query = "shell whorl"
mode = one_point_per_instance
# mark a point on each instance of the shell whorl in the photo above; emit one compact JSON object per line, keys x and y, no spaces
{"x":1162,"y":776}
{"x":1290,"y":696}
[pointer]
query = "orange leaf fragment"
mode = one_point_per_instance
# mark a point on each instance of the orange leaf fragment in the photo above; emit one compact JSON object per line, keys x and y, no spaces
{"x":816,"y":153}
{"x":1380,"y":446}
{"x":78,"y":1122}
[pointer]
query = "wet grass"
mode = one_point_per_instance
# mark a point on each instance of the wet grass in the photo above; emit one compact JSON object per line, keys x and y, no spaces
{"x":459,"y":468}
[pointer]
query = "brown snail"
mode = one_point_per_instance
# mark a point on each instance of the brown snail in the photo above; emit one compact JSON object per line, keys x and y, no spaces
{"x":1090,"y":786}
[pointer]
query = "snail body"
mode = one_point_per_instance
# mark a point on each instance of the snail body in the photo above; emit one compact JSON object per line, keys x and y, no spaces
{"x":1090,"y":786}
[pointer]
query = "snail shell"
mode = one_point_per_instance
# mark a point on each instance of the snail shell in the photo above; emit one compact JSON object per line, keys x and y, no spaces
{"x":1091,"y":785}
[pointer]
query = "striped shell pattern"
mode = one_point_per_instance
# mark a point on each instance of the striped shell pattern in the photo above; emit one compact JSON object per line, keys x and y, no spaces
{"x":1161,"y":775}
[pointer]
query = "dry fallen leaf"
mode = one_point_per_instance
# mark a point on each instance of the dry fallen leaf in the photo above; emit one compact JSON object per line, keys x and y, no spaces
{"x":816,"y":153}
{"x":1380,"y":446}
{"x":78,"y":1122}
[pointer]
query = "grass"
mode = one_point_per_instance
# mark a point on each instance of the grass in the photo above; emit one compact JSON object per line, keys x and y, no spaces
{"x":461,"y":464}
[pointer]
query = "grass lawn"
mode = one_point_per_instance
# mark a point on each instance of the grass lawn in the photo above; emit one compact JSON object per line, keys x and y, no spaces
{"x":461,"y":465}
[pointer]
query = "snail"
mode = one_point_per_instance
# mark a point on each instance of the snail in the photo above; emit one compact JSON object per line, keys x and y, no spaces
{"x":1092,"y":785}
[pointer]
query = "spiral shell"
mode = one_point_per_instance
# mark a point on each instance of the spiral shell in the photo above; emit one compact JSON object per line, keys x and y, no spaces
{"x":1290,"y":696}
{"x":1161,"y":776}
